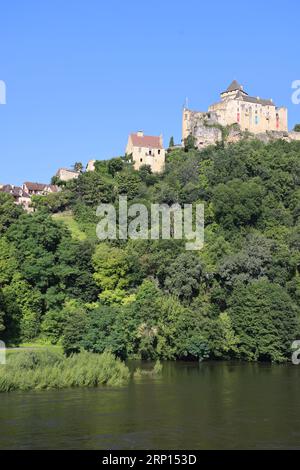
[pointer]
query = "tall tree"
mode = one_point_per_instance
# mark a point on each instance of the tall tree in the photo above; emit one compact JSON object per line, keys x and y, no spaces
{"x":171,"y":143}
{"x":78,"y":166}
{"x":265,"y":319}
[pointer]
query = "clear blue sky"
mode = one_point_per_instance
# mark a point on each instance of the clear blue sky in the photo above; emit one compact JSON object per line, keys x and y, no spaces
{"x":81,"y":75}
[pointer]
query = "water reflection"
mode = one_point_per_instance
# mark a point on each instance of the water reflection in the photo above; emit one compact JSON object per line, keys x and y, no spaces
{"x":192,"y":406}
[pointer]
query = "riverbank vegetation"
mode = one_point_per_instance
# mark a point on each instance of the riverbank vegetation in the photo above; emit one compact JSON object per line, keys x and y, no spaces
{"x":154,"y":372}
{"x":238,"y":298}
{"x":38,"y":370}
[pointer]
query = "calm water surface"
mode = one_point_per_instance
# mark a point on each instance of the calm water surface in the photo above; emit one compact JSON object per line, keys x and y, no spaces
{"x":192,"y":406}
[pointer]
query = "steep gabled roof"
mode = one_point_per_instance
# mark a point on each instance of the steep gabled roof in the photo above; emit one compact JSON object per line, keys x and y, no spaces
{"x":34,"y":186}
{"x":148,"y":141}
{"x":234,"y":86}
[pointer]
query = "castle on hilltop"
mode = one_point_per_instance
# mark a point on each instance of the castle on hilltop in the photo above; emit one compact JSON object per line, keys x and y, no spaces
{"x":236,"y":116}
{"x":241,"y":113}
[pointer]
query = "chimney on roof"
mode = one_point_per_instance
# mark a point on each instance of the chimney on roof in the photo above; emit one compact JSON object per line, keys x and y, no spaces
{"x":140,"y":133}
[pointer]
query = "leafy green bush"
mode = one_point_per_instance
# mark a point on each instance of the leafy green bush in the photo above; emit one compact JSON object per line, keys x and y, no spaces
{"x":46,"y":370}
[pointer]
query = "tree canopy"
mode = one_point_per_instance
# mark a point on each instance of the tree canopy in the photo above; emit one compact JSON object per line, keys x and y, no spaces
{"x":238,"y":297}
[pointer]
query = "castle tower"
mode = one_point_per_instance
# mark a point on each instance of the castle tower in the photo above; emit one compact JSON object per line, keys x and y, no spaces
{"x":253,"y":114}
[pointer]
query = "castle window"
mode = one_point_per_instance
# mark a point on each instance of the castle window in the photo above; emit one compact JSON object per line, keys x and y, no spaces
{"x":158,"y":151}
{"x":141,"y":159}
{"x":150,"y":152}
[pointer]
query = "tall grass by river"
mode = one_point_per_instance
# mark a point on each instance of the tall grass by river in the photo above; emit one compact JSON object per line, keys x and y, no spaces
{"x":28,"y":370}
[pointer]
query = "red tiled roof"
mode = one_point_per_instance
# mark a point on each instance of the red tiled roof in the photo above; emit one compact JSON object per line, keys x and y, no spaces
{"x":149,"y":141}
{"x":35,"y":186}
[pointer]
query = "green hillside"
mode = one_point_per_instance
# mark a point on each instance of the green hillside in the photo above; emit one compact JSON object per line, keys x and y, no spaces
{"x":237,"y":298}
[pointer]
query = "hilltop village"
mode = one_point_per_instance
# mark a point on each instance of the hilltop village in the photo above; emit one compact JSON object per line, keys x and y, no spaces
{"x":237,"y":115}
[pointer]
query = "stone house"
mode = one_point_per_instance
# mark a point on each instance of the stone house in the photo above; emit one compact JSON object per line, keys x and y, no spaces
{"x":21,"y":197}
{"x":65,"y":174}
{"x":146,"y":150}
{"x":39,"y":189}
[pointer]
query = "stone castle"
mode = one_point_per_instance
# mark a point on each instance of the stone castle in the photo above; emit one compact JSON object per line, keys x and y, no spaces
{"x":240,"y":113}
{"x":235,"y":116}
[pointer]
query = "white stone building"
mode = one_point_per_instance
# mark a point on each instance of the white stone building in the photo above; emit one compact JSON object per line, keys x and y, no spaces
{"x":146,"y":150}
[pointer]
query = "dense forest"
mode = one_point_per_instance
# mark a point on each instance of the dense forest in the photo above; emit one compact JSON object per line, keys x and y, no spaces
{"x":237,"y":298}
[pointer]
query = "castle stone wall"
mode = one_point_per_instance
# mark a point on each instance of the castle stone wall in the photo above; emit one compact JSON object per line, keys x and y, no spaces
{"x":250,"y":114}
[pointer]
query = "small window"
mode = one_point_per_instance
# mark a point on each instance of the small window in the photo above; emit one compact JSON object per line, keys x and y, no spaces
{"x":141,"y":159}
{"x":150,"y":152}
{"x":158,"y":152}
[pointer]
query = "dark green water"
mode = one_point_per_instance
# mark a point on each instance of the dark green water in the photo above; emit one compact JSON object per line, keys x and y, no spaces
{"x":192,"y":406}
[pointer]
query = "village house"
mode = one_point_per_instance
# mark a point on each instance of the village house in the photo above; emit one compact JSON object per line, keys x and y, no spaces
{"x":65,"y":174}
{"x":39,"y":189}
{"x":21,"y":197}
{"x":146,"y":150}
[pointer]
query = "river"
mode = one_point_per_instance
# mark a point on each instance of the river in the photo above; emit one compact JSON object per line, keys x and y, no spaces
{"x":212,"y":405}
